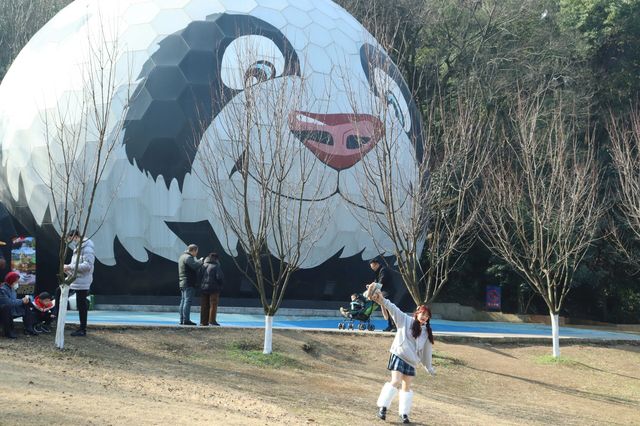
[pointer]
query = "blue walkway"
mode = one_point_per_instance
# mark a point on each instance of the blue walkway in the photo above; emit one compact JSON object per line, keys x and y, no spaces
{"x":440,"y":327}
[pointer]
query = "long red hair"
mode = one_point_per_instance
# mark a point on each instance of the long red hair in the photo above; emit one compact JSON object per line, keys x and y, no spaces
{"x":416,"y":328}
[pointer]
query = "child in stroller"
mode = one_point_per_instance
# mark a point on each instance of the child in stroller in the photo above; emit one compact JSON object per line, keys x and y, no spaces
{"x":359,"y":312}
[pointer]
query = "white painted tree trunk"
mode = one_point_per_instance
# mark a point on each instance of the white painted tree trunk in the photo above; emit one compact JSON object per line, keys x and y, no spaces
{"x":555,"y":334}
{"x":62,"y":316}
{"x":268,"y":334}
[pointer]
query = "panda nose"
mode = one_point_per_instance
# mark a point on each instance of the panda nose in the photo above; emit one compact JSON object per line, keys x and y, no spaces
{"x":338,"y":140}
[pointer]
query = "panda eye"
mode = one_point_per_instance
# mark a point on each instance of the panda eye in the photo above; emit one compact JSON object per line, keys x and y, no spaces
{"x":390,"y":94}
{"x":250,"y":60}
{"x":259,"y":72}
{"x":393,"y":102}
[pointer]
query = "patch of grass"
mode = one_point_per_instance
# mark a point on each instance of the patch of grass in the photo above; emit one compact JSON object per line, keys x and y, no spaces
{"x":251,"y":353}
{"x":443,"y":360}
{"x":551,"y":360}
{"x":172,"y":348}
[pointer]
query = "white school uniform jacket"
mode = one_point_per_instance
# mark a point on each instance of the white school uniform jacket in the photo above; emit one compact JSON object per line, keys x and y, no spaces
{"x":405,"y":346}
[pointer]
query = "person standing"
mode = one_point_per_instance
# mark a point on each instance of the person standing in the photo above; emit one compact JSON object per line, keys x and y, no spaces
{"x":82,"y":263}
{"x":411,"y":346}
{"x":188,"y":266}
{"x":211,"y":285}
{"x":383,"y":276}
{"x":11,"y":307}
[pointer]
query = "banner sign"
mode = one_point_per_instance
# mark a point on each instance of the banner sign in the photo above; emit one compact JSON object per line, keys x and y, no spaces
{"x":23,"y":261}
{"x":494,"y":297}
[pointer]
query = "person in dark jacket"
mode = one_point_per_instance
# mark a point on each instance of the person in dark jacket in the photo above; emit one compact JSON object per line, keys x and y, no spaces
{"x":188,"y":266}
{"x":11,"y":307}
{"x":211,"y":284}
{"x":383,"y":276}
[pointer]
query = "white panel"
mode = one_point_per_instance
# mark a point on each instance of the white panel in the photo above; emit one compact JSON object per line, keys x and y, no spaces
{"x":170,"y":21}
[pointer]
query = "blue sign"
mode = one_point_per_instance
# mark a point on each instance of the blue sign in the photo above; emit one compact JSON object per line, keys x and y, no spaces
{"x":494,"y":297}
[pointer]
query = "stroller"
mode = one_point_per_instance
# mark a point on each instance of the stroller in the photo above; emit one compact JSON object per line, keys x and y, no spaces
{"x":360,"y":319}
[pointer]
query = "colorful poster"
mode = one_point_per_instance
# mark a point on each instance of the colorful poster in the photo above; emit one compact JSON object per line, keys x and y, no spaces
{"x":23,"y":261}
{"x":494,"y":298}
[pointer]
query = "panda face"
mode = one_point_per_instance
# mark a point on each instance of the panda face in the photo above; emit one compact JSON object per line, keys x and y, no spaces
{"x":184,"y":76}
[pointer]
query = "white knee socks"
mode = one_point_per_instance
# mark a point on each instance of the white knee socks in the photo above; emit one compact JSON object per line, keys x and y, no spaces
{"x":404,"y":402}
{"x":387,"y":394}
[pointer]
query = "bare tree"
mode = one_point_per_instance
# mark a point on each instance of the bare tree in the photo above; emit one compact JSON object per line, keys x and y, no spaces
{"x":267,"y":188}
{"x":81,"y":134}
{"x":625,"y":153}
{"x":542,"y":204}
{"x":420,"y":191}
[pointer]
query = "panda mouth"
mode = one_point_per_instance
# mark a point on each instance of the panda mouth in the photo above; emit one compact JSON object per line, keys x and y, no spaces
{"x":338,"y":140}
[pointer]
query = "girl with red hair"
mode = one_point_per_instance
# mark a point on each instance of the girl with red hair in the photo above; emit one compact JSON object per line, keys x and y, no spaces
{"x":412,"y":346}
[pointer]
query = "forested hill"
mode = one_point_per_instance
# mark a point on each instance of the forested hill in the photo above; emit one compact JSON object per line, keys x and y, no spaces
{"x":585,"y":53}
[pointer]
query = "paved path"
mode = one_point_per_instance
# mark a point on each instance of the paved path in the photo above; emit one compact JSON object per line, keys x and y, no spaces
{"x":440,"y":327}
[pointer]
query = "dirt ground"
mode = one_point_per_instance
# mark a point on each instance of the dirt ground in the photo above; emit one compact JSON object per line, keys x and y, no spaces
{"x":218,"y":376}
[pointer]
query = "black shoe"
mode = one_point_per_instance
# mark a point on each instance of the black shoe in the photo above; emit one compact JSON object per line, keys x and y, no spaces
{"x":214,"y":324}
{"x":393,"y":330}
{"x":30,"y":331}
{"x":79,"y":333}
{"x":189,"y":323}
{"x":41,"y":328}
{"x":11,"y":335}
{"x":382,"y":413}
{"x":405,"y":419}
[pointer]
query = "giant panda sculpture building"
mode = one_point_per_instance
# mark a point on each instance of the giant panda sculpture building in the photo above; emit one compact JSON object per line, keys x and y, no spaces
{"x":175,"y":62}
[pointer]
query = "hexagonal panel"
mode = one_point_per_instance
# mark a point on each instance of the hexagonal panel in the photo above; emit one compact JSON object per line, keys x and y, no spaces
{"x":172,"y":4}
{"x":141,"y":13}
{"x":236,"y":6}
{"x":272,"y":16}
{"x":296,"y":17}
{"x":170,"y":21}
{"x":138,"y":37}
{"x":174,"y":49}
{"x":198,"y":35}
{"x":319,"y":35}
{"x":200,"y":9}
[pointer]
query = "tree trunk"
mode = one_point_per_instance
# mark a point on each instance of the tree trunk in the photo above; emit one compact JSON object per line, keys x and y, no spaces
{"x":268,"y":334}
{"x":555,"y":334}
{"x":62,"y":315}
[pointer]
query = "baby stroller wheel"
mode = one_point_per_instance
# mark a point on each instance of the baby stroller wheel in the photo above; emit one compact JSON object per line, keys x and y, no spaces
{"x":361,"y":327}
{"x":340,"y":326}
{"x":372,"y":327}
{"x":351,"y":326}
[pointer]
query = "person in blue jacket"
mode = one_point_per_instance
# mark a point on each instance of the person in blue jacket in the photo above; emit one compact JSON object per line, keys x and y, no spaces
{"x":11,"y":307}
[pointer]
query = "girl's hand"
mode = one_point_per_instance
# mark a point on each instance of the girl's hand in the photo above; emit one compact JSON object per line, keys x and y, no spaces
{"x":430,"y":370}
{"x":376,"y":296}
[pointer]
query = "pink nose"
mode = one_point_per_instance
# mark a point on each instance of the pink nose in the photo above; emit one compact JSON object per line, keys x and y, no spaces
{"x":338,"y":140}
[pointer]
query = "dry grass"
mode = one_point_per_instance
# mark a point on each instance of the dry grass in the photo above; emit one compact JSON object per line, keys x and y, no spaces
{"x":219,"y":376}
